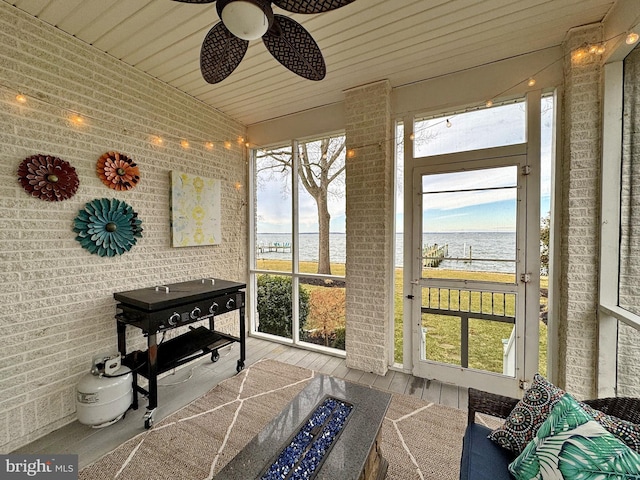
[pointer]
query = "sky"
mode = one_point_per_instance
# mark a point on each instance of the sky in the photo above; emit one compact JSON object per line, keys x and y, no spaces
{"x":490,"y":210}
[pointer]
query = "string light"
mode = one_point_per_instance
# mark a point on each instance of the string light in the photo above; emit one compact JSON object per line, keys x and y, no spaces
{"x":412,"y":137}
{"x":581,"y":53}
{"x":77,"y":119}
{"x":576,"y":55}
{"x":238,"y":186}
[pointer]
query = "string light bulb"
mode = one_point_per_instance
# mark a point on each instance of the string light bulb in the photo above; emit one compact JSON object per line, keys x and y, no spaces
{"x":77,"y":119}
{"x":20,"y":98}
{"x":448,"y":123}
{"x":578,"y":55}
{"x":237,"y":186}
{"x":632,"y":38}
{"x":531,"y":82}
{"x":489,"y":103}
{"x":184,"y":143}
{"x":208,"y":145}
{"x":156,"y":140}
{"x":351,"y":153}
{"x":227,"y":144}
{"x":412,"y":137}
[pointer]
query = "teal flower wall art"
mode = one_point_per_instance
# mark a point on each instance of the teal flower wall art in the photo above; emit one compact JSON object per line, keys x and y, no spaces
{"x":107,"y":227}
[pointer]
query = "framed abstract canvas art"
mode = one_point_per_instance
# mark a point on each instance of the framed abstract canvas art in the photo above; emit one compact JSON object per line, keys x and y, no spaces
{"x":195,"y":210}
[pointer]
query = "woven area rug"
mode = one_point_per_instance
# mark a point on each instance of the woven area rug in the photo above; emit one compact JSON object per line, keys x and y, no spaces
{"x":419,"y":440}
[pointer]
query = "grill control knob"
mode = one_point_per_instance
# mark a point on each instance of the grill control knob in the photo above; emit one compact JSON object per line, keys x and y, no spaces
{"x":174,"y":319}
{"x":214,"y":307}
{"x":195,"y":313}
{"x":231,"y":303}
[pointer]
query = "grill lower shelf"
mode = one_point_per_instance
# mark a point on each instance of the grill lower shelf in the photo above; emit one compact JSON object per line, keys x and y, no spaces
{"x":179,"y":350}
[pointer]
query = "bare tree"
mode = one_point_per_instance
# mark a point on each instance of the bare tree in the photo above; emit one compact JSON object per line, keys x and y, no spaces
{"x":320,"y":171}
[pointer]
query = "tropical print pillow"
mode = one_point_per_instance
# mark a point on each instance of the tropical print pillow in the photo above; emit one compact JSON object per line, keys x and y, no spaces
{"x":570,"y":445}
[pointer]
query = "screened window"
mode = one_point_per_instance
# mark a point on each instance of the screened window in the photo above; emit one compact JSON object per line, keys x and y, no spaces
{"x":299,"y":257}
{"x":473,"y":130}
{"x":630,"y":188}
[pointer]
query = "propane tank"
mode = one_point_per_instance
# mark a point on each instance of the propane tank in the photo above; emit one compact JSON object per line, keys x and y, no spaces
{"x":105,"y":393}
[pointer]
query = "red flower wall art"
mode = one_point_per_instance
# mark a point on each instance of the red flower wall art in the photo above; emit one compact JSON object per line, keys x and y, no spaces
{"x":48,"y":178}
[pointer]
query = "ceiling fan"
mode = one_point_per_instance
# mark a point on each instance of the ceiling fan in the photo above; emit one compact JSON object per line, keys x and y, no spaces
{"x":243,"y":20}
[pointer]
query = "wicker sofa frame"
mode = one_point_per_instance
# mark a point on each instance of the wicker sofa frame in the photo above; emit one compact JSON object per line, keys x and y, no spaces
{"x":625,"y":408}
{"x":484,"y":460}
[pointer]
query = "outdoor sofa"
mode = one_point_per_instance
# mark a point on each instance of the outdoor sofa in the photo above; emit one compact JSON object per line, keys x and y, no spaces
{"x":483,"y":459}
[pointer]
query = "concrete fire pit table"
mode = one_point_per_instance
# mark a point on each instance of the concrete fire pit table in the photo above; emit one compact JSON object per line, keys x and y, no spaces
{"x":329,"y":411}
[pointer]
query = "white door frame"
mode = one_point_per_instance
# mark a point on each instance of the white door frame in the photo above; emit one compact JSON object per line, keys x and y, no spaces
{"x":528,"y":260}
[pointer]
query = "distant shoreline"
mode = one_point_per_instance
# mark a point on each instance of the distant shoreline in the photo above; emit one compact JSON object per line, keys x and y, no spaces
{"x":468,"y":251}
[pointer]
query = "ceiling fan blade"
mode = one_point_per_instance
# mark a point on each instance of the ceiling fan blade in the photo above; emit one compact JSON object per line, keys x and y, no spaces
{"x":221,"y":53}
{"x":295,"y":48}
{"x":195,"y":1}
{"x":310,"y":6}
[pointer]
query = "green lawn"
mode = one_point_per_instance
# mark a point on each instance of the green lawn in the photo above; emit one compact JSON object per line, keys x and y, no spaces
{"x":443,"y":332}
{"x":485,"y":339}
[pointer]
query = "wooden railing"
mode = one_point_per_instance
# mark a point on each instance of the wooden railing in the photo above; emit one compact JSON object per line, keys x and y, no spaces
{"x":469,"y":304}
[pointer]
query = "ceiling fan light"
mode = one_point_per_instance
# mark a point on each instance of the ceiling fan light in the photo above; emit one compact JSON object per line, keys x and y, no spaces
{"x":246,"y":19}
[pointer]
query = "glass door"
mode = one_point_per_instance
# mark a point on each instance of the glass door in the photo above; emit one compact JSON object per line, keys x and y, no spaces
{"x":470,"y":282}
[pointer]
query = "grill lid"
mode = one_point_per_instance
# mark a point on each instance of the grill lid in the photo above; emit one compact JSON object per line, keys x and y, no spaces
{"x":160,"y":297}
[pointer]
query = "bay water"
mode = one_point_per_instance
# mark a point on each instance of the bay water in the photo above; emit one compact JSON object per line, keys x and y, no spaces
{"x":492,"y":247}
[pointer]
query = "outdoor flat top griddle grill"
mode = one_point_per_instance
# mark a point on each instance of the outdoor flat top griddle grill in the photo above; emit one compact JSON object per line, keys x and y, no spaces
{"x":165,"y":307}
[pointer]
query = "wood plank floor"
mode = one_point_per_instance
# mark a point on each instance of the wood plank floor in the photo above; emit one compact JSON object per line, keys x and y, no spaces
{"x":193,"y":380}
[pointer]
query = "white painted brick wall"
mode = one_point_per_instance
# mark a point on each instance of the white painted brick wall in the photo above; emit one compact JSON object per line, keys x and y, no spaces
{"x":580,"y":213}
{"x":580,"y":231}
{"x":369,"y":199}
{"x":57,"y":298}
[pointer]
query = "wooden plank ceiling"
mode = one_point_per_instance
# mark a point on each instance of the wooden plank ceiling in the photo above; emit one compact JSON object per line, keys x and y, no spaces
{"x":404,"y":41}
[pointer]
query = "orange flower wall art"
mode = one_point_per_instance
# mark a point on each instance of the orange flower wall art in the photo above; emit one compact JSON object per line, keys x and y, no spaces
{"x":118,"y":171}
